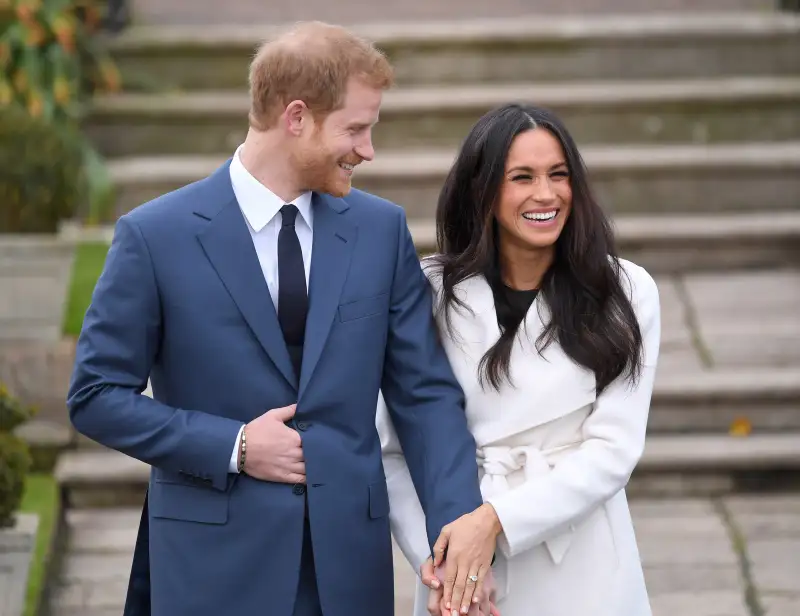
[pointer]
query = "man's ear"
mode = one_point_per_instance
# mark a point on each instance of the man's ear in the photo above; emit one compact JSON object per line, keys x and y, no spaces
{"x":296,"y":116}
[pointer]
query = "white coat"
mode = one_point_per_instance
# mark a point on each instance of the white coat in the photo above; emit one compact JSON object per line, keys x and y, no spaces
{"x":554,"y":461}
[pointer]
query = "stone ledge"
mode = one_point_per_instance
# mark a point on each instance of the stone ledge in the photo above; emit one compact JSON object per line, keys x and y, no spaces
{"x":664,"y":229}
{"x":435,"y":163}
{"x":38,"y":372}
{"x":17,"y":545}
{"x":661,"y":453}
{"x":777,"y":383}
{"x":729,"y":227}
{"x":532,"y":31}
{"x":695,"y":452}
{"x":211,"y":105}
{"x":47,"y":440}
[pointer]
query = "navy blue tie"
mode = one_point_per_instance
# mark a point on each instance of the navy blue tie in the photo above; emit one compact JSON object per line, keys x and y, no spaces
{"x":292,"y":293}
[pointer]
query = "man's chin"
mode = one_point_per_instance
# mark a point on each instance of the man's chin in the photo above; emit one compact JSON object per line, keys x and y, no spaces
{"x":337,"y":190}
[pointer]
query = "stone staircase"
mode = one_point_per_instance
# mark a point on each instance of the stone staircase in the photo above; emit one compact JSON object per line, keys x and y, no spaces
{"x":690,"y":126}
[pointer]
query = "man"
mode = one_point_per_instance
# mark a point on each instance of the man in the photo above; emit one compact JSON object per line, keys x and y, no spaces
{"x":268,"y":304}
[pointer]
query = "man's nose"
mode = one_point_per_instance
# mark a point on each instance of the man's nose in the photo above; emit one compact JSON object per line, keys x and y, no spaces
{"x":365,"y":150}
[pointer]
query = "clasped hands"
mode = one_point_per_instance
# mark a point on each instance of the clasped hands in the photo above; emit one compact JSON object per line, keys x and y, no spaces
{"x":462,"y":583}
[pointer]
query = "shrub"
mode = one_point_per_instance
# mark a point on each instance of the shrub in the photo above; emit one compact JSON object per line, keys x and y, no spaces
{"x":15,"y":458}
{"x":42,"y":173}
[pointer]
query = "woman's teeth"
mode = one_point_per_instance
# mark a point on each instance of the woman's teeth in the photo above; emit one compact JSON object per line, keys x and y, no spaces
{"x":346,"y":166}
{"x":540,"y":216}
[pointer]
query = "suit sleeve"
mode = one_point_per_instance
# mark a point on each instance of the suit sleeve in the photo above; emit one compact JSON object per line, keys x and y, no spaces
{"x":613,"y":443}
{"x":424,"y":400}
{"x":406,"y":517}
{"x":114,"y":354}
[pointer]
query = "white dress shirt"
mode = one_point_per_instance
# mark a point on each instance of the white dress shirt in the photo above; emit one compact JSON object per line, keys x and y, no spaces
{"x":261,"y":208}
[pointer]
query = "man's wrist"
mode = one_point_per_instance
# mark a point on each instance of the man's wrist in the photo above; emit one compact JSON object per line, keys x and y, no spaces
{"x":242,"y":455}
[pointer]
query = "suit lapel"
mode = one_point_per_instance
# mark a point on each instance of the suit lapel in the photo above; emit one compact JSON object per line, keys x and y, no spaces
{"x":334,"y":239}
{"x":229,"y":247}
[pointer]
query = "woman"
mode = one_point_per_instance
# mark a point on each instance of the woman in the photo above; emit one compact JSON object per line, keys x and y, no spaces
{"x":554,"y":340}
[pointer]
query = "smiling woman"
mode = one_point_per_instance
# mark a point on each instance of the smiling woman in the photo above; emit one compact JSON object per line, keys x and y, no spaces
{"x":517,"y":207}
{"x":554,"y":341}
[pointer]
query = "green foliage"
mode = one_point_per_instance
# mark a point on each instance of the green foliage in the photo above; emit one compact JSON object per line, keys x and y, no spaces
{"x":51,"y":59}
{"x":42,"y":173}
{"x":51,"y":64}
{"x":15,"y":458}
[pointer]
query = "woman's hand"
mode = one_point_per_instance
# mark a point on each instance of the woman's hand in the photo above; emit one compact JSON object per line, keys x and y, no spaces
{"x":431,"y":577}
{"x":469,"y":543}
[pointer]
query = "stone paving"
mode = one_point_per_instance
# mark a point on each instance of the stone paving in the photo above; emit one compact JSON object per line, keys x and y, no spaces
{"x":204,"y":12}
{"x":710,"y":321}
{"x":34,"y":274}
{"x":739,"y":556}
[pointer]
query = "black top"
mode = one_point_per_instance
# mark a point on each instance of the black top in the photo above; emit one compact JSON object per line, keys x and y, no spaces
{"x":518,"y":303}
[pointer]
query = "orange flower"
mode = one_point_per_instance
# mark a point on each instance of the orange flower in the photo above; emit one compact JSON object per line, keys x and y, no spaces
{"x":20,"y":81}
{"x":64,"y":31}
{"x":25,"y":13}
{"x":5,"y":52}
{"x":91,"y":16}
{"x":111,"y":77}
{"x":36,"y":35}
{"x":6,"y":93}
{"x":35,"y":105}
{"x":740,"y":426}
{"x":66,"y":40}
{"x":61,"y":90}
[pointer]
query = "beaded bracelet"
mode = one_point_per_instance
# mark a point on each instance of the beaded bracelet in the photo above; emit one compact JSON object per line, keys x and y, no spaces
{"x":243,"y":450}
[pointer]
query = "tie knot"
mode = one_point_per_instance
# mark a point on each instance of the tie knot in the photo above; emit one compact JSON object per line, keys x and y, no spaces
{"x":288,"y":215}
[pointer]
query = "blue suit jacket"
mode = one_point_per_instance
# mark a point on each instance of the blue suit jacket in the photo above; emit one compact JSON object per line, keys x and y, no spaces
{"x":182,"y":300}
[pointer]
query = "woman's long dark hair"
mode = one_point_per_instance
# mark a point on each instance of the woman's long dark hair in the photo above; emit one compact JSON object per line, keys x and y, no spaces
{"x":590,"y":315}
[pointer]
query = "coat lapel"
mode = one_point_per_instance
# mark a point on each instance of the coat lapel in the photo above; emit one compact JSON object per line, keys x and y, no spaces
{"x":334,"y":239}
{"x":546,"y":387}
{"x":228,"y":245}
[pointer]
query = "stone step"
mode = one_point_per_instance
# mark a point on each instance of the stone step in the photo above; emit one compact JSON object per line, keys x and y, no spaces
{"x":34,"y":255}
{"x":530,"y":49}
{"x":627,"y":179}
{"x":711,"y":401}
{"x":671,"y":465}
{"x":707,"y":401}
{"x":205,"y":12}
{"x":665,"y":244}
{"x":691,"y":552}
{"x":677,"y":111}
{"x":662,"y":244}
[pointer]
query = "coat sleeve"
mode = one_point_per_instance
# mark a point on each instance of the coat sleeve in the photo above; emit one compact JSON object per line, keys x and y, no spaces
{"x":424,"y":399}
{"x":406,"y":517}
{"x":113,"y":358}
{"x":612,"y":443}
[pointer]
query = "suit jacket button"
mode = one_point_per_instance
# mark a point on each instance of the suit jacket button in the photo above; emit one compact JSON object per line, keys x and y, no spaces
{"x":302,"y":426}
{"x":299,"y":489}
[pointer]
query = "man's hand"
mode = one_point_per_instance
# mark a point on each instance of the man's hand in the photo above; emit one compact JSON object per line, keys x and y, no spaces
{"x":436,"y":606}
{"x":274,"y":451}
{"x":470,"y":543}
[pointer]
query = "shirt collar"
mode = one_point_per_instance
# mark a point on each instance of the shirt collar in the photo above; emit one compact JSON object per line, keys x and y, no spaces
{"x":257,"y":202}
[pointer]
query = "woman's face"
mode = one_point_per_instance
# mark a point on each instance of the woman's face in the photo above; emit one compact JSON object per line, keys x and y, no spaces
{"x":535,"y":197}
